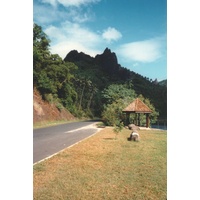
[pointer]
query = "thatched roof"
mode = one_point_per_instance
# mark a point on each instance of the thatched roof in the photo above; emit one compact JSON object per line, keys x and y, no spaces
{"x":137,"y":106}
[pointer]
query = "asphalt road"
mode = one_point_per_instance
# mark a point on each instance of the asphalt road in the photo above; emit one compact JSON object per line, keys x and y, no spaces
{"x":50,"y":140}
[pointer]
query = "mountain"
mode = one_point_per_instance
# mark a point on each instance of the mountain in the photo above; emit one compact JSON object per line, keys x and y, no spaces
{"x":104,"y":69}
{"x":105,"y":64}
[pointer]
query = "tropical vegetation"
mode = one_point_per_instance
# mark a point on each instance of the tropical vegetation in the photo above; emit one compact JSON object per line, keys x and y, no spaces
{"x":92,"y":87}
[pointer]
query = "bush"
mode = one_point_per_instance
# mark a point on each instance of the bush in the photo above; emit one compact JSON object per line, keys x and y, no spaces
{"x":59,"y":106}
{"x":112,"y":114}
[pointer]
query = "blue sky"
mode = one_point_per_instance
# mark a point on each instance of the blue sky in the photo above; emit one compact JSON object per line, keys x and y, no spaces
{"x":136,"y":30}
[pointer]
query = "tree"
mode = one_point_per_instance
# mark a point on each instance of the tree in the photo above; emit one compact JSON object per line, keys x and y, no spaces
{"x":51,"y":75}
{"x":41,"y":45}
{"x":112,"y":113}
{"x":93,"y":90}
{"x":154,"y":115}
{"x":117,"y":91}
{"x":116,"y":98}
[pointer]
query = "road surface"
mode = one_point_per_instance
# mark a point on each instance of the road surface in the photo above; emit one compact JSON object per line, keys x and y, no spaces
{"x":50,"y":140}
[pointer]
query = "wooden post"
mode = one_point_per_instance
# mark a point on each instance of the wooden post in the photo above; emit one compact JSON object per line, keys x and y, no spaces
{"x":135,"y":118}
{"x":138,"y":119}
{"x":147,"y":120}
{"x":127,"y":118}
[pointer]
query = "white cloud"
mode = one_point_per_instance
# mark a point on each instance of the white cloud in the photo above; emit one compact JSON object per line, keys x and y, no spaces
{"x":76,"y":15}
{"x":63,"y":48}
{"x":48,"y":14}
{"x":45,"y":14}
{"x":52,"y":2}
{"x":68,"y":3}
{"x":142,"y":51}
{"x":111,"y":34}
{"x":80,"y":33}
{"x":72,"y":36}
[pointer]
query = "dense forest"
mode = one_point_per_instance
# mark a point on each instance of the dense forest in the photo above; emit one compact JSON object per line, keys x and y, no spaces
{"x":91,"y":87}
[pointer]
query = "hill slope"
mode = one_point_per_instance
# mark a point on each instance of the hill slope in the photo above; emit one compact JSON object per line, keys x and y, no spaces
{"x":44,"y":111}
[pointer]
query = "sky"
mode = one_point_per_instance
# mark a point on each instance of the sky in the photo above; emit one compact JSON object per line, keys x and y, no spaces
{"x":136,"y":30}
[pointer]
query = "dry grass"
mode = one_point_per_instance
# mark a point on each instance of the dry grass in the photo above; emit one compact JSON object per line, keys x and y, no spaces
{"x":104,"y":168}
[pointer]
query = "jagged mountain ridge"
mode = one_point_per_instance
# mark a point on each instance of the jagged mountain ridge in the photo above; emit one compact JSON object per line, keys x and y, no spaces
{"x":106,"y":62}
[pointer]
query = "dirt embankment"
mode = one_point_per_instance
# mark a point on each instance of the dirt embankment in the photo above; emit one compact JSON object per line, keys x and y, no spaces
{"x":44,"y":111}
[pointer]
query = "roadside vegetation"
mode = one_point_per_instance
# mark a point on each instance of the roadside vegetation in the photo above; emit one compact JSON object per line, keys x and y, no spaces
{"x":49,"y":123}
{"x":43,"y":124}
{"x":106,"y":167}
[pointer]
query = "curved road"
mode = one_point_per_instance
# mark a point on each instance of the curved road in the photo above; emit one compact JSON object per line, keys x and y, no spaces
{"x":50,"y":140}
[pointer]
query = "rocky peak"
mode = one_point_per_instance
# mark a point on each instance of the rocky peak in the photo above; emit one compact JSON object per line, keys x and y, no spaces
{"x":108,"y":56}
{"x":107,"y":51}
{"x":74,"y":56}
{"x":108,"y":61}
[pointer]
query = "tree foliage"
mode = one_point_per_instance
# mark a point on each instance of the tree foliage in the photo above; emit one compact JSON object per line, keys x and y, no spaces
{"x":51,"y":75}
{"x":153,"y":116}
{"x":116,"y":98}
{"x":117,"y":91}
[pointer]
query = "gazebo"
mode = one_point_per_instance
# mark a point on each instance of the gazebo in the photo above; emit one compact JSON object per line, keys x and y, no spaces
{"x":138,"y":107}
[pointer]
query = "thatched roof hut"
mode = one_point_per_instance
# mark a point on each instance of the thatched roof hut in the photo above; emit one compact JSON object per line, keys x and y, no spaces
{"x":137,"y":106}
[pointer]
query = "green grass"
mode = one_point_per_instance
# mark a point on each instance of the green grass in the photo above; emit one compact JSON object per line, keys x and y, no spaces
{"x":43,"y":124}
{"x":103,"y":167}
{"x":52,"y":123}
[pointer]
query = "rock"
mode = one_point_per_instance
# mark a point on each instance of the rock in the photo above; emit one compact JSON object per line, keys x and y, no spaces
{"x":133,"y":127}
{"x":134,"y":136}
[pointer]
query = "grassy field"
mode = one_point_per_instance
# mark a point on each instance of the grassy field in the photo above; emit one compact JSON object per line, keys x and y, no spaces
{"x":102,"y":167}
